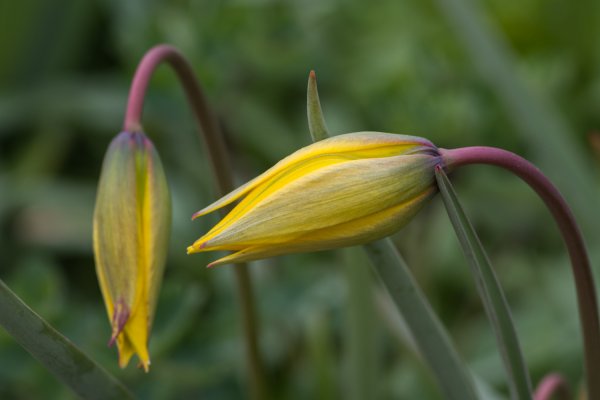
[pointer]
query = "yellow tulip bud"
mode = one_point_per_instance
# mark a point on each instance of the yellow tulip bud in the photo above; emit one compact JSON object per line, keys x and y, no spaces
{"x":342,"y":191}
{"x":131,"y":232}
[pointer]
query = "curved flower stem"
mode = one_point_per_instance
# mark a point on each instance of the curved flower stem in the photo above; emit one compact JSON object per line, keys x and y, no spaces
{"x":213,"y":139}
{"x":584,"y":280}
{"x":551,"y":385}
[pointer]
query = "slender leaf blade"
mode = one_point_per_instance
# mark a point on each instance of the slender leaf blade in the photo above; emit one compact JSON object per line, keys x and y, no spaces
{"x":55,"y":352}
{"x":430,"y":336}
{"x":490,"y":291}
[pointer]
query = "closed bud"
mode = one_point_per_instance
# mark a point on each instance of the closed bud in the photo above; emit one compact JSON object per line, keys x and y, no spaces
{"x":346,"y":190}
{"x":132,"y":221}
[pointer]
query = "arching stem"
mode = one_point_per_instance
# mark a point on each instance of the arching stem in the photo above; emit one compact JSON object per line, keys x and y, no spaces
{"x":213,"y":139}
{"x":582,"y":273}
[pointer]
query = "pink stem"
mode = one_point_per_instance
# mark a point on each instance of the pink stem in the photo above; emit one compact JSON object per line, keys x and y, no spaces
{"x":584,"y":280}
{"x":553,"y":384}
{"x":213,"y":138}
{"x":205,"y":118}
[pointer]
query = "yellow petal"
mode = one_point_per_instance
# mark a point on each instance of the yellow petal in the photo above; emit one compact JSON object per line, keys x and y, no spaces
{"x":131,"y":230}
{"x":341,"y":191}
{"x":349,"y":146}
{"x":326,"y":197}
{"x":358,"y":231}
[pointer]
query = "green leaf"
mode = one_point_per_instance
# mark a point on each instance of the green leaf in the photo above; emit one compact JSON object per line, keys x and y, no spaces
{"x":61,"y":357}
{"x":361,"y":328}
{"x":316,"y":122}
{"x":491,"y":293}
{"x":427,"y":331}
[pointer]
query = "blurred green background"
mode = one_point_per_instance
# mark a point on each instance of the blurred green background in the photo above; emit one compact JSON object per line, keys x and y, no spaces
{"x":522,"y":75}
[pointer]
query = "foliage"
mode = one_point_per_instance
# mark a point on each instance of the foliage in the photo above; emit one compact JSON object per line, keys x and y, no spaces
{"x":396,"y":67}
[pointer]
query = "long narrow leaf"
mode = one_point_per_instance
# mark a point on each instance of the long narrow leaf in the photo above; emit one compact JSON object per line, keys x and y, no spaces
{"x":428,"y":333}
{"x":490,"y":291}
{"x":61,"y":357}
{"x":360,"y":354}
{"x":397,"y":327}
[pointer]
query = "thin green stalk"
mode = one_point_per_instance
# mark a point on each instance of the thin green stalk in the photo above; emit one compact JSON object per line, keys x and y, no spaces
{"x":580,"y":264}
{"x":490,"y":291}
{"x":55,"y":352}
{"x":214,"y":141}
{"x":361,"y":332}
{"x":429,"y":334}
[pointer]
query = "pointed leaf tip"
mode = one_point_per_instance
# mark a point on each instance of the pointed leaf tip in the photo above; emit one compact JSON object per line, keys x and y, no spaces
{"x":316,"y":121}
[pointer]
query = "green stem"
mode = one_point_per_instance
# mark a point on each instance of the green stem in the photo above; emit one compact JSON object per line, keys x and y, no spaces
{"x":582,"y":273}
{"x":213,"y":139}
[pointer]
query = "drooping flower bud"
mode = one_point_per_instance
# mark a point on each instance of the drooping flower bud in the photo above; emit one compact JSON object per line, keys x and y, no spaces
{"x":342,"y":191}
{"x":132,"y":222}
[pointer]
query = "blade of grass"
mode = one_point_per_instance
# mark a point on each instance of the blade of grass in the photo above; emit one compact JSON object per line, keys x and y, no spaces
{"x":490,"y":291}
{"x":361,"y":325}
{"x":428,"y":333}
{"x":55,"y":352}
{"x":397,"y":327}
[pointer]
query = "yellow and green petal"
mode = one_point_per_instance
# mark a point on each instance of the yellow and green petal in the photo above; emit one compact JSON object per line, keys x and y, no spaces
{"x":131,"y":231}
{"x":341,"y":191}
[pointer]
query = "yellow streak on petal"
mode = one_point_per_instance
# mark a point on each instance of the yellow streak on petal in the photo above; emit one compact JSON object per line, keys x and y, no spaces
{"x":135,"y":339}
{"x":125,"y":350}
{"x":380,"y":144}
{"x":297,"y":170}
{"x":359,"y":231}
{"x":330,"y":196}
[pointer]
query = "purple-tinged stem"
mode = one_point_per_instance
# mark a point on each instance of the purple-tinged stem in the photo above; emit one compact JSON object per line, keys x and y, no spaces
{"x":580,"y":264}
{"x":552,"y":386}
{"x":209,"y":126}
{"x":213,"y":139}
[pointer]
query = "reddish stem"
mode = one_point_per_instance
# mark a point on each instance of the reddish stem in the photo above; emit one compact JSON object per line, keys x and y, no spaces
{"x":213,"y":139}
{"x":209,"y":125}
{"x":551,"y":385}
{"x":584,"y":280}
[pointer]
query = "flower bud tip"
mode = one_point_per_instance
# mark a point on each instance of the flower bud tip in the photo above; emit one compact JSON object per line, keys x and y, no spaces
{"x":120,"y":317}
{"x":145,"y":366}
